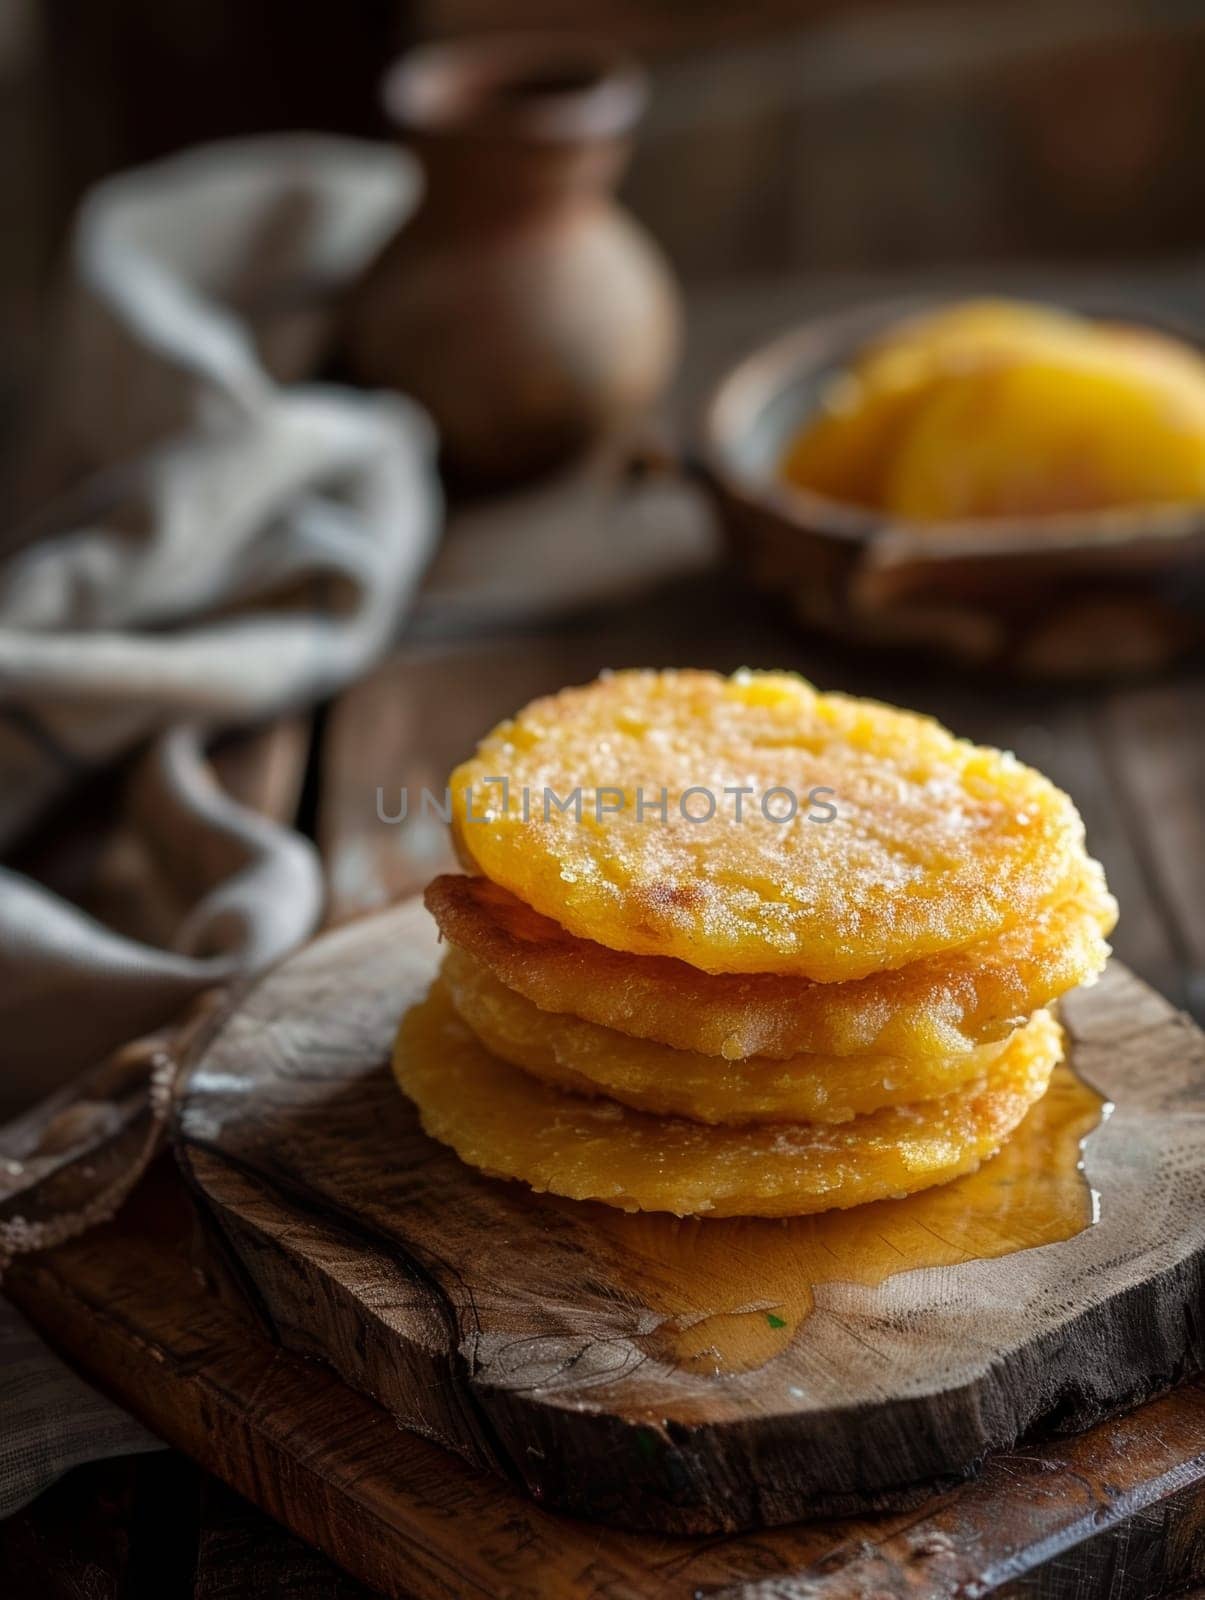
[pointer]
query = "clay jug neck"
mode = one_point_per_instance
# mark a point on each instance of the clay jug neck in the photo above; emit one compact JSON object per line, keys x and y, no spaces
{"x":510,"y":125}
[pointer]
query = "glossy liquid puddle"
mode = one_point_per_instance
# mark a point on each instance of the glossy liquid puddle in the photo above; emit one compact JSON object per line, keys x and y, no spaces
{"x":733,"y":1293}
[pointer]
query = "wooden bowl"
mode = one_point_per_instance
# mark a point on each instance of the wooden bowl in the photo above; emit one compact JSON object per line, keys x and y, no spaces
{"x":1067,"y":595}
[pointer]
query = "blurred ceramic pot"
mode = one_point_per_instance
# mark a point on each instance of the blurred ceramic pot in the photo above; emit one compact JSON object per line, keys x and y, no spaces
{"x":521,"y":305}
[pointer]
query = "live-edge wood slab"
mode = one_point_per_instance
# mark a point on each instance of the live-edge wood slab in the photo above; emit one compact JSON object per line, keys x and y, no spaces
{"x":526,"y":1332}
{"x":1118,"y":1511}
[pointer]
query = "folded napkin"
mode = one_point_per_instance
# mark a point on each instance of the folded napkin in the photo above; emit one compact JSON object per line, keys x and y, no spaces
{"x":218,"y":539}
{"x":52,"y":1419}
{"x":231,"y":544}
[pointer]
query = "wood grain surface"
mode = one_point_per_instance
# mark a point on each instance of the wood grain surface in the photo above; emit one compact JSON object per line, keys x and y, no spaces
{"x":1118,"y":1510}
{"x":664,"y":1373}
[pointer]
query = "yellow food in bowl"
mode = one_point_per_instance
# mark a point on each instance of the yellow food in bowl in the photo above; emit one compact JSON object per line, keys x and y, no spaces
{"x":992,"y":409}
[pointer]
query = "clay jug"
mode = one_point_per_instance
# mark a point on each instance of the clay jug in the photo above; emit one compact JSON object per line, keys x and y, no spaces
{"x":521,"y":305}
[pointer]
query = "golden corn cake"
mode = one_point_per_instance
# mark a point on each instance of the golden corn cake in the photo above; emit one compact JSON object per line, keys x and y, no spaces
{"x":508,"y":1124}
{"x":588,"y":1059}
{"x":867,"y":839}
{"x":938,"y":1006}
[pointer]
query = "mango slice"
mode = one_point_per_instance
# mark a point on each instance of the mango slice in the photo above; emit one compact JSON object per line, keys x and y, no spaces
{"x":994,"y":408}
{"x":1043,"y":437}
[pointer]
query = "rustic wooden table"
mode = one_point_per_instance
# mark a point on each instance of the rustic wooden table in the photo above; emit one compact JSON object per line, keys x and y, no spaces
{"x":1134,"y":759}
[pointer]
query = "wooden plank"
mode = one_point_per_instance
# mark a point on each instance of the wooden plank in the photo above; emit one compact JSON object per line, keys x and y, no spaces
{"x":558,"y":1343}
{"x":1152,"y":736}
{"x":145,"y":1316}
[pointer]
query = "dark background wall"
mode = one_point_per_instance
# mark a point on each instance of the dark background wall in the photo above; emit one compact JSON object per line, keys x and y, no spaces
{"x":785,"y":135}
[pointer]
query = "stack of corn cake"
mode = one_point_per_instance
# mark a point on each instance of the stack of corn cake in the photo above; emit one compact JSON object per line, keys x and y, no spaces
{"x":733,"y":947}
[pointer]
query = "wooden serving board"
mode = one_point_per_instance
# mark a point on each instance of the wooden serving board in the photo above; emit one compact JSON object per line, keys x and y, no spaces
{"x":557,"y":1343}
{"x":1117,"y":1511}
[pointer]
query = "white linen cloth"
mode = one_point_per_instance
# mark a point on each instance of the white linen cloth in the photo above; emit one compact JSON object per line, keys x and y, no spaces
{"x":226,"y":539}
